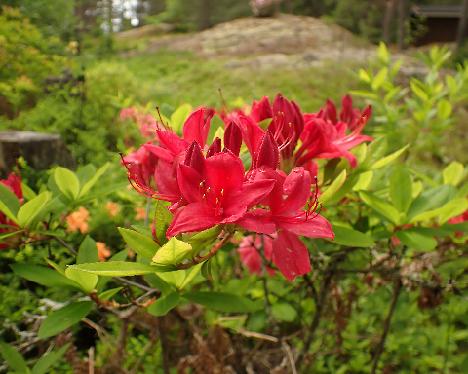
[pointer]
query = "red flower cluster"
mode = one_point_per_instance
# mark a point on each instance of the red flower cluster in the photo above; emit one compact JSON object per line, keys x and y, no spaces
{"x":275,"y":199}
{"x":13,"y":183}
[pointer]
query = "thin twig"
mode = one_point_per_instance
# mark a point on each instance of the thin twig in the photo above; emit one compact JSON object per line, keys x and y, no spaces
{"x":290,"y":356}
{"x":380,"y":346}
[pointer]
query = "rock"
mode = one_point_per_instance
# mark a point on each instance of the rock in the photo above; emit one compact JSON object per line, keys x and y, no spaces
{"x":40,"y":150}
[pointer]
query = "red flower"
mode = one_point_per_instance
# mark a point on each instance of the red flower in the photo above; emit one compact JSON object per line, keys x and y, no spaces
{"x":284,"y":250}
{"x":13,"y":183}
{"x":326,"y":137}
{"x":459,"y":219}
{"x":215,"y":192}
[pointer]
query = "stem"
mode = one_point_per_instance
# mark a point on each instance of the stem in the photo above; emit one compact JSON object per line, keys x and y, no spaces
{"x":164,"y":346}
{"x":199,"y":259}
{"x":380,"y":346}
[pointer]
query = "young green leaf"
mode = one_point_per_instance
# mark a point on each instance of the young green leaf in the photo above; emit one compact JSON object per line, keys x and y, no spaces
{"x":416,"y":240}
{"x":108,"y":294}
{"x":334,"y":187}
{"x":173,"y":252}
{"x":400,"y":188}
{"x":389,"y":159}
{"x":223,"y":302}
{"x":64,"y":318}
{"x":164,"y":304}
{"x":9,"y":203}
{"x":179,"y":116}
{"x":351,"y":238}
{"x":431,"y":199}
{"x":453,"y":173}
{"x":120,"y":268}
{"x":42,"y":275}
{"x":381,"y":207}
{"x":141,"y":244}
{"x":67,"y":182}
{"x":283,"y":312}
{"x":13,"y":358}
{"x":87,"y":252}
{"x":86,"y":280}
{"x":33,"y":209}
{"x":93,"y":180}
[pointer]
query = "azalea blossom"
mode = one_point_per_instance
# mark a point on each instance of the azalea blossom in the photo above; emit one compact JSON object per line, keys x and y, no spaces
{"x":273,"y":201}
{"x":103,"y":251}
{"x":78,"y":220}
{"x":112,"y":208}
{"x":13,"y":183}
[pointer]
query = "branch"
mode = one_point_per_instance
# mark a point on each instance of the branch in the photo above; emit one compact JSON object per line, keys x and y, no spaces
{"x":380,"y":346}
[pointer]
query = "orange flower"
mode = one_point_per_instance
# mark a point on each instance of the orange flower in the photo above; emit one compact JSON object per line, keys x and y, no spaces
{"x":103,"y":251}
{"x":140,"y":213}
{"x":78,"y":220}
{"x":112,"y":208}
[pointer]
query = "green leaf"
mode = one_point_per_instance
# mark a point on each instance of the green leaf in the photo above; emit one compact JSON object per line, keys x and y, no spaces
{"x":86,"y":280}
{"x":173,"y":252}
{"x":164,"y":304}
{"x":382,"y":53}
{"x":32,"y":209}
{"x":162,"y":220}
{"x":9,"y":203}
{"x":364,"y":181}
{"x":431,"y":199}
{"x":379,"y":78}
{"x":48,"y":360}
{"x":28,"y":193}
{"x":91,"y":182}
{"x":388,"y":159}
{"x":283,"y":312}
{"x":64,"y":318}
{"x":350,"y":237}
{"x":416,"y":240}
{"x":453,"y":208}
{"x":179,"y":116}
{"x":42,"y":275}
{"x":223,"y":302}
{"x":381,"y":207}
{"x":418,"y":89}
{"x":87,"y":252}
{"x":67,"y":182}
{"x":444,"y":109}
{"x":141,"y":244}
{"x":119,"y":268}
{"x":108,"y":294}
{"x":13,"y":358}
{"x":334,"y":187}
{"x":453,"y":173}
{"x":400,"y":188}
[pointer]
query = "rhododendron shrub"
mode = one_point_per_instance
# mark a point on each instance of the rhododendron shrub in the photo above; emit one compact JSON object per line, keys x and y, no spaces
{"x":280,"y":218}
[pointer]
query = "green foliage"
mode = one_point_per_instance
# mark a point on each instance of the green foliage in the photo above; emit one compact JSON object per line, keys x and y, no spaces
{"x":403,"y":111}
{"x":27,"y":59}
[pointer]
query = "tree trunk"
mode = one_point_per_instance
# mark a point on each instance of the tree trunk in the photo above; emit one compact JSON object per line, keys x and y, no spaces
{"x":388,"y":20}
{"x":462,"y":25}
{"x":39,"y":150}
{"x":204,"y":14}
{"x":402,"y":7}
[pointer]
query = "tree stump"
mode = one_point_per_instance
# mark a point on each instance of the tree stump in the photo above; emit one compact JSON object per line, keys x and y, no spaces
{"x":39,"y":150}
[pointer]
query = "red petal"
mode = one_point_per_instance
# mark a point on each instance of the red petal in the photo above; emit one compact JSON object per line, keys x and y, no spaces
{"x":197,"y":126}
{"x":190,"y":218}
{"x":160,"y":152}
{"x":172,"y":142}
{"x":297,"y":189}
{"x":290,"y":255}
{"x":233,"y":138}
{"x":317,"y":227}
{"x":189,"y":181}
{"x":224,"y":171}
{"x":214,"y":148}
{"x":268,"y":153}
{"x":261,"y":110}
{"x":257,"y":221}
